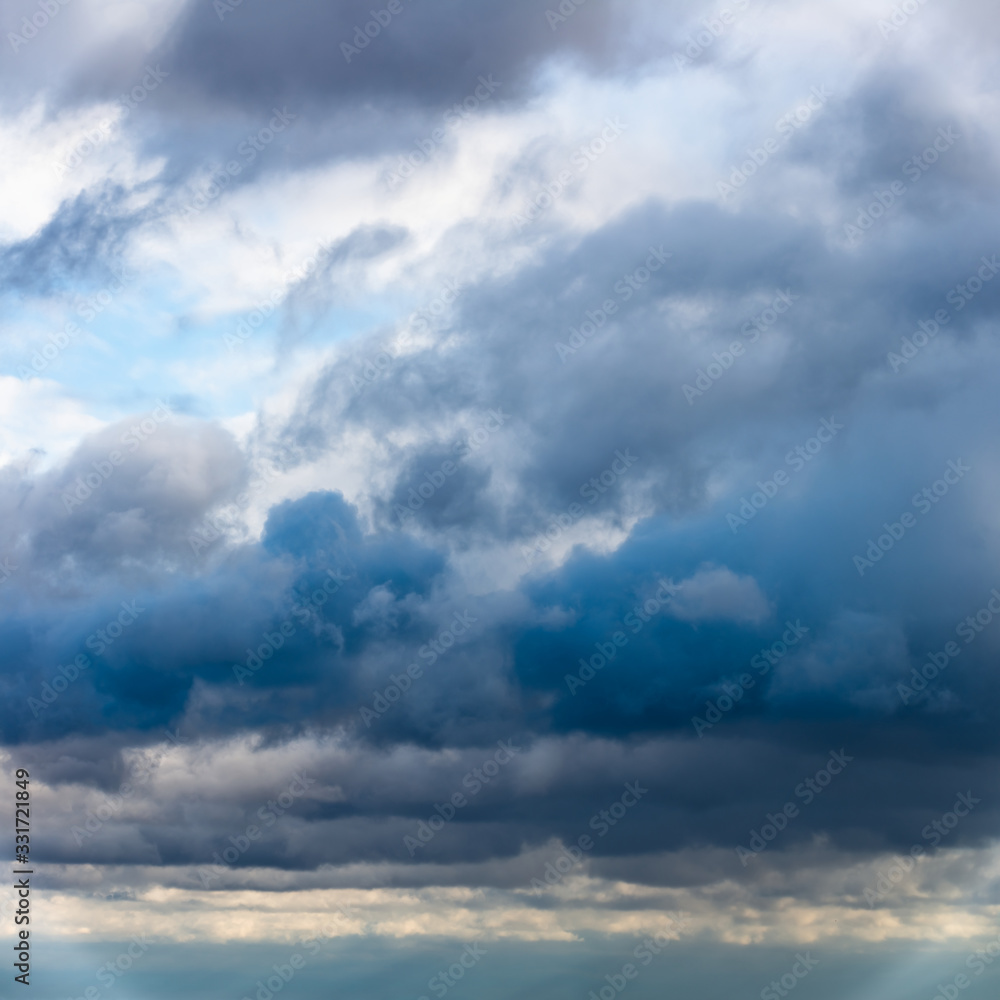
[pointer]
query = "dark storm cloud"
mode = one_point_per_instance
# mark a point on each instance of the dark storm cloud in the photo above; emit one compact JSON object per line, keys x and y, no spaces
{"x":576,"y":402}
{"x":424,"y":54}
{"x":227,"y":66}
{"x":326,"y":592}
{"x":84,"y":240}
{"x":352,"y":807}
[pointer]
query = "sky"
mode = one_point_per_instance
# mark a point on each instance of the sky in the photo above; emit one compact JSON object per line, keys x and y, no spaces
{"x":499,"y":499}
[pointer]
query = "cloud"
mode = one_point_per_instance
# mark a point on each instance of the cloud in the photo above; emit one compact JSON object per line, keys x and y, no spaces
{"x":432,"y":499}
{"x":719,"y":594}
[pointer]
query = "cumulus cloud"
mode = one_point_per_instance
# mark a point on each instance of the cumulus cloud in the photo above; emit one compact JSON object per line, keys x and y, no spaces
{"x":349,"y":480}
